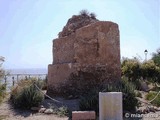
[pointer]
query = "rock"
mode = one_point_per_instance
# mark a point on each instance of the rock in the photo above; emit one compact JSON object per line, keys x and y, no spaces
{"x":48,"y":111}
{"x":156,"y":109}
{"x":35,"y":108}
{"x":76,"y":22}
{"x":41,"y":110}
{"x":144,"y":86}
{"x":139,"y":110}
{"x":152,"y":109}
{"x":143,"y":110}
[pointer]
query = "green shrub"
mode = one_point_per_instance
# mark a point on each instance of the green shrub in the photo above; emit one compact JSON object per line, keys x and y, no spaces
{"x":2,"y":92}
{"x":25,"y":95}
{"x":149,"y":70}
{"x":131,"y":68}
{"x":152,"y":95}
{"x":62,"y":111}
{"x":2,"y":86}
{"x":90,"y":100}
{"x":135,"y":70}
{"x":156,"y":57}
{"x":59,"y":110}
{"x":127,"y":88}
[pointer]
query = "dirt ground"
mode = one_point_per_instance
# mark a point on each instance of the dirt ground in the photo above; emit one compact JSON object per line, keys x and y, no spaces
{"x":8,"y":113}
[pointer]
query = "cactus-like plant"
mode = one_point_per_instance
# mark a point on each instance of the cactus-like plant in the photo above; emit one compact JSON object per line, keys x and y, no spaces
{"x":84,"y":12}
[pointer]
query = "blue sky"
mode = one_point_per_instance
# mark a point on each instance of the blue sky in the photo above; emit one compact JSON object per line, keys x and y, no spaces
{"x":27,"y":27}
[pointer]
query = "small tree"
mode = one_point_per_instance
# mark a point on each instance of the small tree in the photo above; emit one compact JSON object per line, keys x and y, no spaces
{"x":156,"y":57}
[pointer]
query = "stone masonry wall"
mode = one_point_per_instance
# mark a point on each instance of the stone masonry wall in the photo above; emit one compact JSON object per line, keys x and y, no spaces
{"x":96,"y":45}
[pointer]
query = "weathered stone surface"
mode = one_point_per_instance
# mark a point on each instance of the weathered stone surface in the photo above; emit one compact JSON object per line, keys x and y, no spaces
{"x":95,"y":45}
{"x":58,"y":74}
{"x":110,"y":106}
{"x":76,"y":22}
{"x":63,"y":50}
{"x":92,"y":44}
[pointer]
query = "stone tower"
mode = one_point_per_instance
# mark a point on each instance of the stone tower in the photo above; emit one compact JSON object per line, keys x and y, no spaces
{"x":84,"y":44}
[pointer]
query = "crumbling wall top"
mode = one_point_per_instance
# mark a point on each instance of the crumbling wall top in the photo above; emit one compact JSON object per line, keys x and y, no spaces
{"x":76,"y":22}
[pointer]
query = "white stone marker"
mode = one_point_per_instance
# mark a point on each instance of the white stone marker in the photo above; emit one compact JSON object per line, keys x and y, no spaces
{"x":110,"y":106}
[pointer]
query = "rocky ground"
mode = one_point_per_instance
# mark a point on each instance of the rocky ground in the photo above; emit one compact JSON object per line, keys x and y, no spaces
{"x":7,"y":112}
{"x":145,"y":112}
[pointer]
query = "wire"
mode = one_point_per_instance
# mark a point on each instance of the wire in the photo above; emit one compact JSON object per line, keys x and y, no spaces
{"x":47,"y":95}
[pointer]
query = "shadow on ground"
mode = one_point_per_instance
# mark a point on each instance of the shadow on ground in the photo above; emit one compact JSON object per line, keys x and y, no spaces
{"x":20,"y":112}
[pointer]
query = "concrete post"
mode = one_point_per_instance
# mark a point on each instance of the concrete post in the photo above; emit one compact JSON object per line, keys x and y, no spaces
{"x":110,"y":106}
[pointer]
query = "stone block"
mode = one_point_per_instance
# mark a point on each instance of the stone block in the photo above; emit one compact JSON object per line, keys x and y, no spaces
{"x":110,"y":106}
{"x":63,"y":50}
{"x":58,"y":73}
{"x":83,"y":115}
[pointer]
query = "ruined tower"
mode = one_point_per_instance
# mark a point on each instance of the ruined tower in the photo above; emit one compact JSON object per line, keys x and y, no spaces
{"x":85,"y":43}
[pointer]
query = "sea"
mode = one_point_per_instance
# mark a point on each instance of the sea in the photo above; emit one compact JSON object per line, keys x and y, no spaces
{"x":14,"y":75}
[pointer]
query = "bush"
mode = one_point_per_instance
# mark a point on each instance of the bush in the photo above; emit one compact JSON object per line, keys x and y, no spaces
{"x":93,"y":15}
{"x":62,"y":111}
{"x":127,"y":88}
{"x":25,"y":95}
{"x":149,"y":70}
{"x":2,"y":92}
{"x":2,"y":86}
{"x":131,"y":68}
{"x":90,"y":100}
{"x":156,"y":57}
{"x":152,"y":95}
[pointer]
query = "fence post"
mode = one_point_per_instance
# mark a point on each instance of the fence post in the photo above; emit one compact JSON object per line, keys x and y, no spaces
{"x":12,"y":81}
